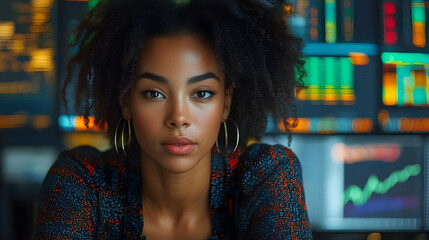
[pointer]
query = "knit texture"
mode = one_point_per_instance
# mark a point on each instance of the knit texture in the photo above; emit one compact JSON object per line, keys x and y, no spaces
{"x":257,"y":194}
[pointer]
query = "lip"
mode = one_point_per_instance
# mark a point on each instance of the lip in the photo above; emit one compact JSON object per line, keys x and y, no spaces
{"x":178,"y":145}
{"x":178,"y":141}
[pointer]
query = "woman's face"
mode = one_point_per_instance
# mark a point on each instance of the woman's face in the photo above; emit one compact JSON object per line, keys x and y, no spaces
{"x":178,"y":101}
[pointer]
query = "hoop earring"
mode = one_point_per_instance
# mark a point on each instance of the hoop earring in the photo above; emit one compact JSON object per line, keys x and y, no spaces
{"x":225,"y":127}
{"x":123,"y":145}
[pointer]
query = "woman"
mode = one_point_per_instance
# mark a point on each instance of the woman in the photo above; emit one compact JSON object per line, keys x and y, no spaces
{"x":166,"y":78}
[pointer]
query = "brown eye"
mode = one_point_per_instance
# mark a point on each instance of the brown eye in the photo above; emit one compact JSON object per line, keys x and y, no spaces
{"x":204,"y":94}
{"x":152,"y":94}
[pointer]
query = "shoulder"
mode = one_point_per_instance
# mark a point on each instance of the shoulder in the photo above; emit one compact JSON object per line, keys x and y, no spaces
{"x":274,"y":152}
{"x":267,"y":172}
{"x":76,"y":194}
{"x":86,"y":166}
{"x":262,"y":160}
{"x":271,"y":194}
{"x":67,"y":196}
{"x":83,"y":159}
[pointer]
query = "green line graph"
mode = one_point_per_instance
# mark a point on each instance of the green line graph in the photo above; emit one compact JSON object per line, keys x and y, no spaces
{"x":373,"y":185}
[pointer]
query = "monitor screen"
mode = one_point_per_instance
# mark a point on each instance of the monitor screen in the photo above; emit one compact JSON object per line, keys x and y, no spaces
{"x":404,"y":25}
{"x":342,"y":66}
{"x":381,"y":180}
{"x":362,"y":183}
{"x":340,"y":94}
{"x":405,"y":79}
{"x":405,"y":93}
{"x":27,"y":68}
{"x":329,"y":81}
{"x":335,"y":21}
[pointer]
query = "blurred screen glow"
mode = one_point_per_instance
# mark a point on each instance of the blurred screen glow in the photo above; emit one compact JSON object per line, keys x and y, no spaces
{"x":348,"y":20}
{"x":330,"y":21}
{"x":405,"y":79}
{"x":329,"y":125}
{"x":27,"y":65}
{"x":69,"y":123}
{"x":330,"y":81}
{"x":390,"y":23}
{"x":419,"y":23}
{"x":362,"y":183}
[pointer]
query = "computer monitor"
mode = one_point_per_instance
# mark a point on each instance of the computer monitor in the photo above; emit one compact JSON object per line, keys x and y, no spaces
{"x":363,"y":183}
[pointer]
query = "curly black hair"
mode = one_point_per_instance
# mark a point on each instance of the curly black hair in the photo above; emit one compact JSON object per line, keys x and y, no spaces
{"x":251,"y":38}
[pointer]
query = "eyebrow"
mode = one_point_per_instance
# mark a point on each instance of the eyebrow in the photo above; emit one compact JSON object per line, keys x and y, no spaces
{"x":193,"y":79}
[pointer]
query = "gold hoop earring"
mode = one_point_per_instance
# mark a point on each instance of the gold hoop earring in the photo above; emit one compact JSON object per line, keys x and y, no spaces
{"x":225,"y":127}
{"x":123,"y":145}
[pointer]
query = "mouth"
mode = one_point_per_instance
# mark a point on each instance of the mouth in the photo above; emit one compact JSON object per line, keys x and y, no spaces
{"x":179,"y":145}
{"x":179,"y":149}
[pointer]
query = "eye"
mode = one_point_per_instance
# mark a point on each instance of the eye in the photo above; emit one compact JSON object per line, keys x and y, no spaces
{"x":204,"y":94}
{"x":151,"y":94}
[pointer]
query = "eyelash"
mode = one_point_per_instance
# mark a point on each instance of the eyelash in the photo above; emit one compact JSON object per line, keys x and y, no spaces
{"x":211,"y":94}
{"x":147,"y":94}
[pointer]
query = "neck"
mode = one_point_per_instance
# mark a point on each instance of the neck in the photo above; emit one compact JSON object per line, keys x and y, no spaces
{"x":176,"y":194}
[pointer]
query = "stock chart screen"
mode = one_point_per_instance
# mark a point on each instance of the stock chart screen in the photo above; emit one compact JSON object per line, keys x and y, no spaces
{"x":405,"y":67}
{"x":366,"y":73}
{"x":329,"y":81}
{"x":405,"y":79}
{"x":335,"y":21}
{"x":363,"y":182}
{"x":342,"y":64}
{"x":404,"y":25}
{"x":383,"y":182}
{"x":340,"y":95}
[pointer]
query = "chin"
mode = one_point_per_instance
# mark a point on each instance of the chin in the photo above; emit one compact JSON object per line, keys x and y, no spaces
{"x":172,"y":163}
{"x":179,"y":164}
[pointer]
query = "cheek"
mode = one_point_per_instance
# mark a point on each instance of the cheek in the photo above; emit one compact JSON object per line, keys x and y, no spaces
{"x":207,"y":120}
{"x":146,"y":122}
{"x":208,"y":117}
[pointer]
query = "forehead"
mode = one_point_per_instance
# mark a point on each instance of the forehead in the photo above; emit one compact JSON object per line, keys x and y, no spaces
{"x":177,"y":54}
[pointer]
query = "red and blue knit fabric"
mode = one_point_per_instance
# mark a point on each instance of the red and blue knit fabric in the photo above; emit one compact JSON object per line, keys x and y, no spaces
{"x":257,"y":194}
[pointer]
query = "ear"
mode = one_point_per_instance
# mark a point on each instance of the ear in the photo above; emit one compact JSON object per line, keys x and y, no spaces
{"x":228,"y":100}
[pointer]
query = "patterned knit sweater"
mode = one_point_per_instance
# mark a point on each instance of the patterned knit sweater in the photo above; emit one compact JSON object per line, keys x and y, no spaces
{"x":257,"y":194}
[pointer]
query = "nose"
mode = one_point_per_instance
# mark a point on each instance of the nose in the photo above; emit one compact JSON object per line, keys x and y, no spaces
{"x":179,"y":114}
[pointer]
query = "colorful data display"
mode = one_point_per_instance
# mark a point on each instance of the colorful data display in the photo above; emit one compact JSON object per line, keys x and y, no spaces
{"x":329,"y":81}
{"x":27,"y":68}
{"x":405,"y":79}
{"x":382,"y":180}
{"x":363,"y":183}
{"x":404,"y":67}
{"x":335,"y":21}
{"x":364,"y":74}
{"x":340,"y":92}
{"x":405,"y":25}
